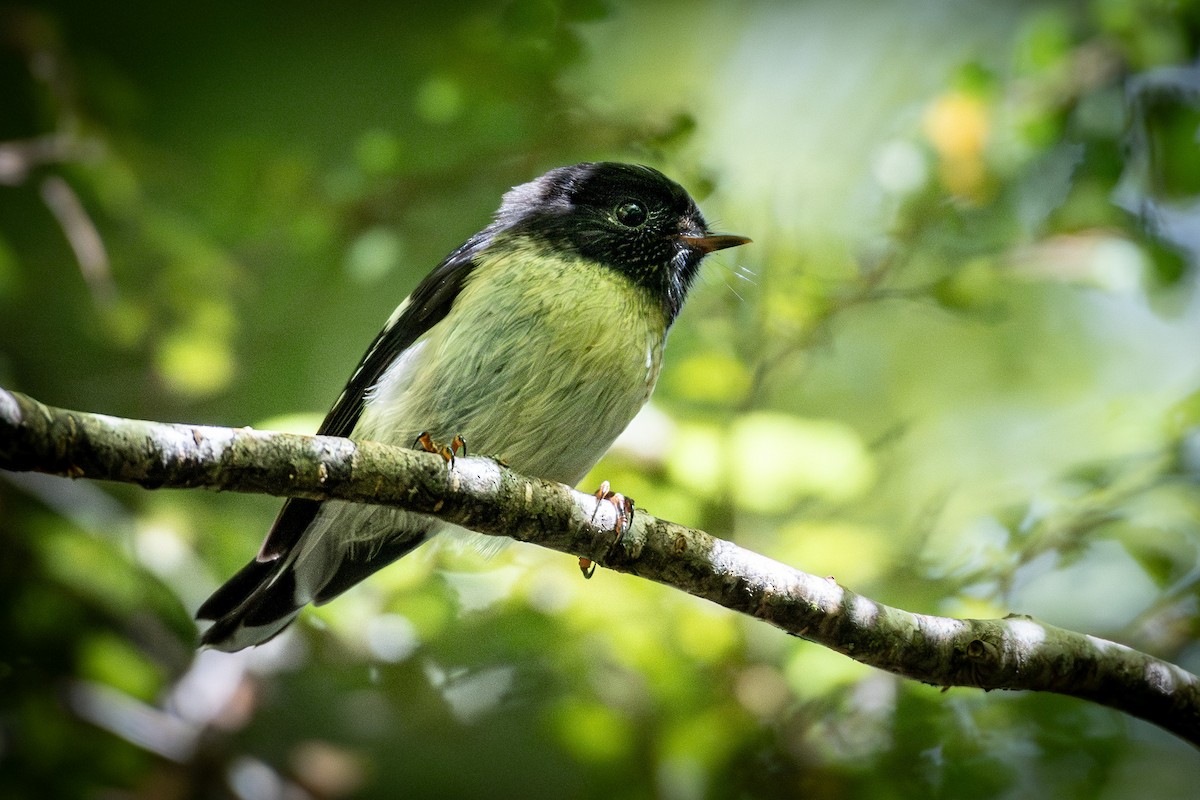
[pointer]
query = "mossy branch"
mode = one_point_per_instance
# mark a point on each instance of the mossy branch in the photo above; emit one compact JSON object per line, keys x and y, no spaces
{"x":478,"y":493}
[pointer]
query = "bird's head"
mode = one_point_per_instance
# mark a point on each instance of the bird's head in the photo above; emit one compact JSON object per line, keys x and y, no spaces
{"x":628,"y":218}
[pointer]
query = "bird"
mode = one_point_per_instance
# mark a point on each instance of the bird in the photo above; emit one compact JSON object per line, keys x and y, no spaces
{"x":536,"y":341}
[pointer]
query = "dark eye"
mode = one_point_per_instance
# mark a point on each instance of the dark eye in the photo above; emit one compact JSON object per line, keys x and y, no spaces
{"x":631,"y":213}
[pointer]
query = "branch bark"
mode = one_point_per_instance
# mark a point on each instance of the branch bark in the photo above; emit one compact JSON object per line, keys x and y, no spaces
{"x":480,"y":494}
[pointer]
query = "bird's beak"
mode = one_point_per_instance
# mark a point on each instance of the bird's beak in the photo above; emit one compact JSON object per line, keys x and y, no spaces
{"x":713,"y":242}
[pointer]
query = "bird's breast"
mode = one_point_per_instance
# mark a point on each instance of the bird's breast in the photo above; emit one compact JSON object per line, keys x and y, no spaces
{"x":541,"y":362}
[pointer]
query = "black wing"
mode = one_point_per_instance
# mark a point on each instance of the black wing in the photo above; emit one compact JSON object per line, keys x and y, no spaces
{"x":427,"y":305}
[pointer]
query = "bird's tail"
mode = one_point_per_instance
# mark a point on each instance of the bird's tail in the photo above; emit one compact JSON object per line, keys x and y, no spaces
{"x":317,"y":564}
{"x":252,"y":607}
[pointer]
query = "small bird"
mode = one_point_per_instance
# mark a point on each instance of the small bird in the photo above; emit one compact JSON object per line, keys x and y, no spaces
{"x":536,"y":342}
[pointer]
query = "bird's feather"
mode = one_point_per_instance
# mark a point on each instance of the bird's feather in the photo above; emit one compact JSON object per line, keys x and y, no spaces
{"x":425,"y":307}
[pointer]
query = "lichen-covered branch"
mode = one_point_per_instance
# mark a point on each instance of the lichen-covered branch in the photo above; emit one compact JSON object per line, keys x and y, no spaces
{"x":478,"y":493}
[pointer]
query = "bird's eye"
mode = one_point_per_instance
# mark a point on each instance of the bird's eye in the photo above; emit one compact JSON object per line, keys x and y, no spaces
{"x":630,"y":213}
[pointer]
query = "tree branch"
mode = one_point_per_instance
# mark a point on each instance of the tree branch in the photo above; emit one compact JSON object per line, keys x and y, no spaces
{"x":478,"y":493}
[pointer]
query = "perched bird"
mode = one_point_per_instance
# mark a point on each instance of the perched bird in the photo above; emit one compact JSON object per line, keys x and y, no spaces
{"x":537,"y":341}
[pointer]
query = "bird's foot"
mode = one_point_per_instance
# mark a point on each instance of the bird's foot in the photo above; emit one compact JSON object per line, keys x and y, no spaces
{"x":624,"y":509}
{"x":447,"y":451}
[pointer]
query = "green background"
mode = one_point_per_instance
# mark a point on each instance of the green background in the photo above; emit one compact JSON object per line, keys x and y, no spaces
{"x":957,"y":370}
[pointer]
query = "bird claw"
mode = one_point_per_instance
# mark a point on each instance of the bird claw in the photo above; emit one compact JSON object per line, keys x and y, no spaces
{"x":447,"y":451}
{"x":624,"y":508}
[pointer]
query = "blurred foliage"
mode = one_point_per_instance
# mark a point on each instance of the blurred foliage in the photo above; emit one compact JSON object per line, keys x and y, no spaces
{"x":957,"y":370}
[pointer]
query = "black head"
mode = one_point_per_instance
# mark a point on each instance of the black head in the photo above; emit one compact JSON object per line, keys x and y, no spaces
{"x":631,"y":219}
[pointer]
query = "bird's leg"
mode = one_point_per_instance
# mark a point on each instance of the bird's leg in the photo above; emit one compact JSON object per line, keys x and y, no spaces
{"x":447,"y":451}
{"x":624,"y":509}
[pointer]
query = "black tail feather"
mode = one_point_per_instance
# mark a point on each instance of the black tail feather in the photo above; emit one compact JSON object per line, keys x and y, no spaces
{"x":261,"y":595}
{"x":237,"y":590}
{"x":263,"y":598}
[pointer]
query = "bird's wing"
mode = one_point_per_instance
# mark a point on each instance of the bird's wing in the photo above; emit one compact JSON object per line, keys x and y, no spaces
{"x":425,"y":307}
